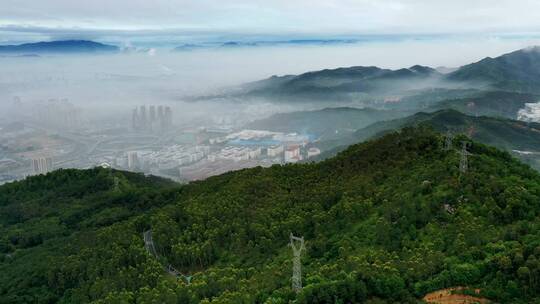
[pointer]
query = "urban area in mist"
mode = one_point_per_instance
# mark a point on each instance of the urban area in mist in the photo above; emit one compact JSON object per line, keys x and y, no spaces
{"x":189,"y":112}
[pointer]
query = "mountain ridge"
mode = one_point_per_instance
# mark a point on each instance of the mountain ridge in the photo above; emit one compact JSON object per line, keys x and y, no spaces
{"x":517,"y":71}
{"x":59,"y":46}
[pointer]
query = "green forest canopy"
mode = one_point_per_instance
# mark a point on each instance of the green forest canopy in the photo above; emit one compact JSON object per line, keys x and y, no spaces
{"x":385,"y":221}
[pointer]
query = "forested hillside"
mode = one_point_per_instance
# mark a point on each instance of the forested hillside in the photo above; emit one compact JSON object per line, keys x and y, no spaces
{"x":518,"y":71}
{"x":385,"y":221}
{"x":506,"y":134}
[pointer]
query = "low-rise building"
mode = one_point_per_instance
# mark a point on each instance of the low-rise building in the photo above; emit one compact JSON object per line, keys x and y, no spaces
{"x":274,"y":151}
{"x":292,"y":154}
{"x":313,"y":152}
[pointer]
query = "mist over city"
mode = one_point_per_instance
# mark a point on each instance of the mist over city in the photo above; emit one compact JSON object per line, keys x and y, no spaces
{"x":338,"y":151}
{"x":76,"y":109}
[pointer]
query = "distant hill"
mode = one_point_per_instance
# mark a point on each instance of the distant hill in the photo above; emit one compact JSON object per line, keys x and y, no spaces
{"x":325,"y":123}
{"x":518,"y":71}
{"x":502,"y":133}
{"x":270,"y":43}
{"x":63,"y":46}
{"x":493,"y":103}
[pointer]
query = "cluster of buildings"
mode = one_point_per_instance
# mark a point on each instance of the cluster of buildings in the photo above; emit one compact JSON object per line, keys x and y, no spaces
{"x":155,"y":119}
{"x":42,"y":165}
{"x":236,"y":154}
{"x":57,"y":113}
{"x":260,"y":144}
{"x":250,"y":144}
{"x":168,"y":158}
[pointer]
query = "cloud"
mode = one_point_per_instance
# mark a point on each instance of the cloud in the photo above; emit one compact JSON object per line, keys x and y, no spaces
{"x":271,"y":16}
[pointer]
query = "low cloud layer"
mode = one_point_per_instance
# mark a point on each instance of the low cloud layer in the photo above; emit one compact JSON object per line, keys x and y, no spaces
{"x":186,"y":17}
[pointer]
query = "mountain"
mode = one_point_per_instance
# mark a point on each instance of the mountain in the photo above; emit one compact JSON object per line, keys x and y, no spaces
{"x":63,"y":46}
{"x":491,"y":103}
{"x":325,"y":123}
{"x":264,"y":43}
{"x":342,"y":81}
{"x":517,"y":71}
{"x":385,"y":221}
{"x":511,"y":135}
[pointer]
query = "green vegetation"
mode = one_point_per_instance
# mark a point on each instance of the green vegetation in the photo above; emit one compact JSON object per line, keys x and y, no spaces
{"x":385,"y":221}
{"x":505,"y":134}
{"x":517,"y":71}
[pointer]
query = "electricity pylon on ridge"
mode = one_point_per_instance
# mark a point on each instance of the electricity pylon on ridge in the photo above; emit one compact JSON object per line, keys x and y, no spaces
{"x":448,"y":141}
{"x":464,"y":162}
{"x":116,"y":183}
{"x":149,"y":243}
{"x":297,"y":245}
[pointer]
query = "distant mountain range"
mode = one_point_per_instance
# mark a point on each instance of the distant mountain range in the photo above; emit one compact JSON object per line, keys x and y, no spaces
{"x":237,"y":44}
{"x":335,"y":82}
{"x":518,"y":71}
{"x":64,"y":46}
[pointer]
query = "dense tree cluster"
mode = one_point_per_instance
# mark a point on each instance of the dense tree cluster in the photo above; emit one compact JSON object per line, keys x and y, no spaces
{"x":385,"y":221}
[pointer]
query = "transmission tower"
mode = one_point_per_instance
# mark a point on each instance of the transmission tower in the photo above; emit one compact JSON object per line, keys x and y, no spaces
{"x":448,"y":141}
{"x":116,"y":183}
{"x":149,"y":243}
{"x":464,"y":163}
{"x":297,"y":245}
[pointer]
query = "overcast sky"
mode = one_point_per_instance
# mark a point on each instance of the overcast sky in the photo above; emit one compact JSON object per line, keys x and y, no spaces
{"x":28,"y":18}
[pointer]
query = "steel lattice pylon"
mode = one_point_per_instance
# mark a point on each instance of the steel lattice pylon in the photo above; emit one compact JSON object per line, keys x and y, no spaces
{"x":297,"y":264}
{"x":463,"y":162}
{"x":448,"y":141}
{"x":149,"y":243}
{"x":116,"y":183}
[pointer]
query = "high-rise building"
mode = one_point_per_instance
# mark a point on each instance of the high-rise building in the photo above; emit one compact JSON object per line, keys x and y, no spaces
{"x":132,"y":160}
{"x":41,"y":165}
{"x":160,"y":113}
{"x":152,"y":120}
{"x":152,"y":113}
{"x":142,"y":118}
{"x":135,"y":120}
{"x":168,"y":117}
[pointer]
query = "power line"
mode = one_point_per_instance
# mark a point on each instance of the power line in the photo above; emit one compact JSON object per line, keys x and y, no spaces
{"x":150,"y":247}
